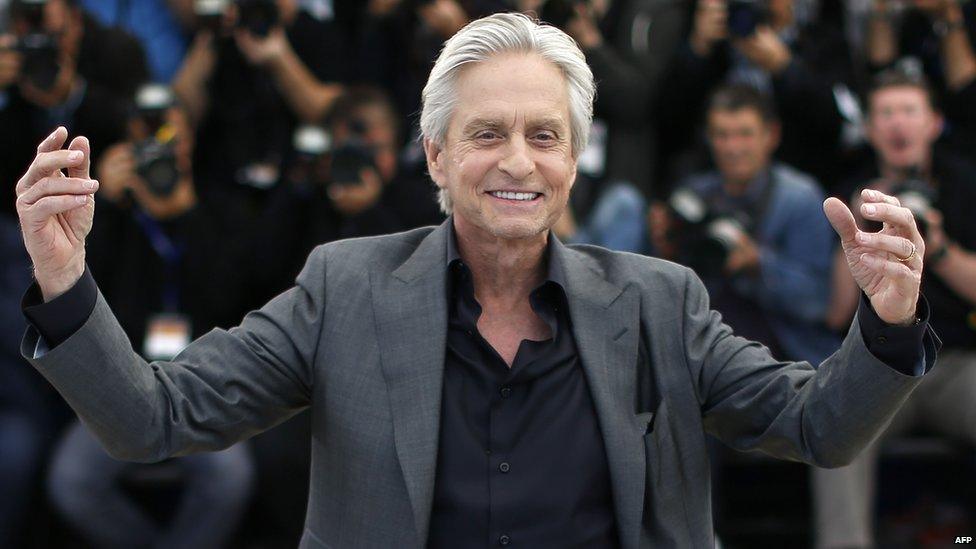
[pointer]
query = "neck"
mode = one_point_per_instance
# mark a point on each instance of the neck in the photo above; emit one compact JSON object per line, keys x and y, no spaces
{"x":504,"y":271}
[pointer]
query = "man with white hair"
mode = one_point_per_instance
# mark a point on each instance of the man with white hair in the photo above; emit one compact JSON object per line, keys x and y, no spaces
{"x":479,"y":383}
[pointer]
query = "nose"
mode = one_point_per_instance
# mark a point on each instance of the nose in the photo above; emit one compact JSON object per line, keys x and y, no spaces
{"x":517,"y":162}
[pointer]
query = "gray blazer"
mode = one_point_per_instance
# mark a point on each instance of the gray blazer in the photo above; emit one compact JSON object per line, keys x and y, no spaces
{"x":361,"y":339}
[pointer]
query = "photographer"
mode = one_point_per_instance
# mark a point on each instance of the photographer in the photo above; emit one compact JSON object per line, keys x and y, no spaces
{"x":628,"y":44}
{"x":255,"y":70}
{"x":803,"y":64}
{"x":170,"y":266}
{"x":753,"y":231}
{"x":903,"y":128}
{"x":345,"y":182}
{"x":59,"y":66}
{"x":940,"y":35}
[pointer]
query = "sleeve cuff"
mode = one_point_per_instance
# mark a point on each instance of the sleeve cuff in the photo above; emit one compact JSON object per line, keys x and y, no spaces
{"x":64,"y":315}
{"x":900,"y":347}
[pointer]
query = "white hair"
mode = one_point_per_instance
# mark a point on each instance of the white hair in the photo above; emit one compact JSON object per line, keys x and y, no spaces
{"x":498,"y":34}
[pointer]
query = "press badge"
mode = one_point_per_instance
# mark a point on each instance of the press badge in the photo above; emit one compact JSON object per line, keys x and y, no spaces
{"x":166,"y":336}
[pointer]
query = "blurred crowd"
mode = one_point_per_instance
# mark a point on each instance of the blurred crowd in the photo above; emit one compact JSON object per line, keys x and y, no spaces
{"x":230,"y":137}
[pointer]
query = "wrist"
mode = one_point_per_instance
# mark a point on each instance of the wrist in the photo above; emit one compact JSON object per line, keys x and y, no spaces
{"x":55,"y":284}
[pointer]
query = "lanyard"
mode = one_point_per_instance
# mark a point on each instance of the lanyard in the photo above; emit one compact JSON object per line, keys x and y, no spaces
{"x":170,"y":252}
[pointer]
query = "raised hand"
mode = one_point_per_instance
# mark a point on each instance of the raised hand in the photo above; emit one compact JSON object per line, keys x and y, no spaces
{"x":887,"y":265}
{"x":56,"y":211}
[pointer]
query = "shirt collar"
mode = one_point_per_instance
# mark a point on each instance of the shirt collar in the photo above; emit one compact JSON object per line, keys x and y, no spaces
{"x":556,"y":272}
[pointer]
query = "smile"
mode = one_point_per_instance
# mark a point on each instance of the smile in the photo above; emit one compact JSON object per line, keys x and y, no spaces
{"x":520,"y":197}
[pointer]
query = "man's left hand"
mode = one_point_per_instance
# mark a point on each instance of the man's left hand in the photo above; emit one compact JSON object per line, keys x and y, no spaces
{"x":745,"y":256}
{"x":887,"y":265}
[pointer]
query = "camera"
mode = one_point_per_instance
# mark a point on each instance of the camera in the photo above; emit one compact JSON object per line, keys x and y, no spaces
{"x":558,"y":12}
{"x":155,"y":156}
{"x":914,"y":193}
{"x":311,"y":144}
{"x":704,"y":239}
{"x":257,"y":16}
{"x":919,"y":197}
{"x":745,"y":16}
{"x":209,"y":14}
{"x":38,"y":48}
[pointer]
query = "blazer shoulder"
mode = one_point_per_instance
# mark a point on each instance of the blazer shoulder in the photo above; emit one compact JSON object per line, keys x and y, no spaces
{"x":624,"y":268}
{"x":385,"y":252}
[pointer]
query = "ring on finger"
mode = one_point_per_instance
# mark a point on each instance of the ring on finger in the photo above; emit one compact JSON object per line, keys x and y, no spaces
{"x":910,"y":257}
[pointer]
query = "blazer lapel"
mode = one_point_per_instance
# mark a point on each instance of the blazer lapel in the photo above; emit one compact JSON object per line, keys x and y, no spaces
{"x":605,"y":325}
{"x":410,"y":309}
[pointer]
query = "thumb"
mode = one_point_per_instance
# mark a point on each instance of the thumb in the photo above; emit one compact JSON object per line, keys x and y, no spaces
{"x":841,"y":219}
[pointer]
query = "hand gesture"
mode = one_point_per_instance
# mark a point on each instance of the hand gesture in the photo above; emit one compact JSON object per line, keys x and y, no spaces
{"x":887,"y":265}
{"x":56,"y":211}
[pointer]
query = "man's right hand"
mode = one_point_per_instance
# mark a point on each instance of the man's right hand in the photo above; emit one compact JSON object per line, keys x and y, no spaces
{"x":56,"y":211}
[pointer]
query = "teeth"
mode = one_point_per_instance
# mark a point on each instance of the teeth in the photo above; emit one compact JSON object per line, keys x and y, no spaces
{"x":514,"y":196}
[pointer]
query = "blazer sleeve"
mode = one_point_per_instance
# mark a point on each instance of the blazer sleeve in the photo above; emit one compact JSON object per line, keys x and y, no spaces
{"x":823,"y":416}
{"x":226,"y":386}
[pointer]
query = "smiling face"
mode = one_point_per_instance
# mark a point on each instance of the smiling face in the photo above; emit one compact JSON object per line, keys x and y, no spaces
{"x":507,"y":159}
{"x":902,"y":126}
{"x":742,"y":143}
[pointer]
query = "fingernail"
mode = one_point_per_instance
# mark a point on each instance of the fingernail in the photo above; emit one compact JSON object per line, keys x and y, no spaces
{"x":865,"y":258}
{"x":870,"y":209}
{"x":861,"y":237}
{"x":82,"y":199}
{"x":90,"y":184}
{"x":74,"y":156}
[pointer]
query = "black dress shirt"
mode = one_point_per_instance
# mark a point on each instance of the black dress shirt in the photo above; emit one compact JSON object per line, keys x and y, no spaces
{"x":521,"y":461}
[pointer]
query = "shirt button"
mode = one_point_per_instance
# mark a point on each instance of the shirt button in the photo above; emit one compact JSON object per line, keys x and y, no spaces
{"x":504,"y":467}
{"x":506,"y":392}
{"x":504,"y":540}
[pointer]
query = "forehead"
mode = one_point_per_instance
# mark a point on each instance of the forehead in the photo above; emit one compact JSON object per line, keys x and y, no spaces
{"x":739,"y":117}
{"x":512,"y":88}
{"x":898,"y":95}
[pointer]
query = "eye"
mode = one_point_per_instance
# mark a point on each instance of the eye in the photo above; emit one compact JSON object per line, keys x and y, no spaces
{"x":486,"y":135}
{"x":546,"y":137}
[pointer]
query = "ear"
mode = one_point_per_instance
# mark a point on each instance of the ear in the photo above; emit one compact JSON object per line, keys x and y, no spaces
{"x":775,"y":135}
{"x":938,"y":124}
{"x":434,"y":167}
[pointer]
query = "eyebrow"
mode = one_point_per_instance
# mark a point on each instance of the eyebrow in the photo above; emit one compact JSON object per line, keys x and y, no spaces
{"x":550,"y":122}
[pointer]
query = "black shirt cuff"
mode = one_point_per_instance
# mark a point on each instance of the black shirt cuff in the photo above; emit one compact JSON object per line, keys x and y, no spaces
{"x":64,"y":315}
{"x":897,"y":346}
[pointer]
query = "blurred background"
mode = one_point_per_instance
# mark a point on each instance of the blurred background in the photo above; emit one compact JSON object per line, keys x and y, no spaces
{"x":232,"y":136}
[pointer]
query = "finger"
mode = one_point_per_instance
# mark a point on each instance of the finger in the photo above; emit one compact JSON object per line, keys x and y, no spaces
{"x":48,"y":164}
{"x":81,"y":170}
{"x":54,"y":141}
{"x":887,"y":267}
{"x":53,"y":205}
{"x":871,"y":195}
{"x":895,"y":216}
{"x":896,"y":245}
{"x":841,"y":219}
{"x":50,"y":186}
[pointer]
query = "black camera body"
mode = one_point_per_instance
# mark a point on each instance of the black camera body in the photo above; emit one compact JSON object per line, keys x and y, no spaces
{"x":40,"y":58}
{"x":745,"y":15}
{"x":156,"y":165}
{"x":38,"y":48}
{"x":155,"y":156}
{"x":257,"y":16}
{"x":209,"y":14}
{"x":919,"y":197}
{"x":558,"y":12}
{"x":349,"y":159}
{"x":703,"y":238}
